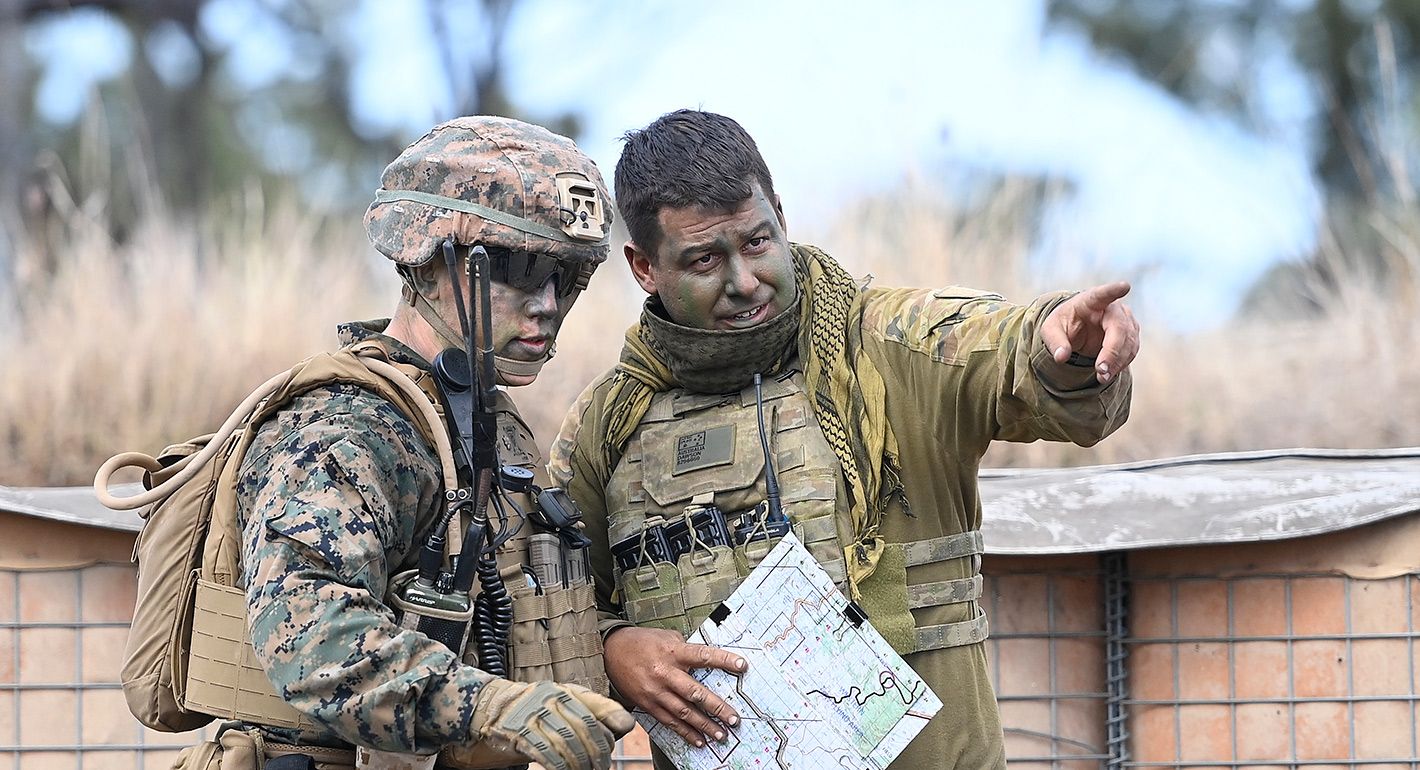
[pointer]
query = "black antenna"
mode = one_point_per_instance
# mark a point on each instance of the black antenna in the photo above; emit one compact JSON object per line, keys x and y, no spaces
{"x":487,"y":420}
{"x":485,"y":387}
{"x":771,"y":480}
{"x":484,"y":459}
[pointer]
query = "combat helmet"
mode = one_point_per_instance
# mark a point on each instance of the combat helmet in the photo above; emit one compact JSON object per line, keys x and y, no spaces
{"x":515,"y":188}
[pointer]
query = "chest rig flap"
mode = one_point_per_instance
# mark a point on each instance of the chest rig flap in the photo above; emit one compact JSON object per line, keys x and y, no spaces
{"x":698,"y":446}
{"x":516,"y":445}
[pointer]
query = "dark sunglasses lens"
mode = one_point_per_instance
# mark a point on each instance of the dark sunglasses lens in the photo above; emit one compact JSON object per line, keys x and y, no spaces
{"x":529,"y":272}
{"x":566,"y":278}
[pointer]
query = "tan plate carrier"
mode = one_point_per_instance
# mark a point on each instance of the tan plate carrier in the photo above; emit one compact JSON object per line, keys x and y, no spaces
{"x":189,"y":656}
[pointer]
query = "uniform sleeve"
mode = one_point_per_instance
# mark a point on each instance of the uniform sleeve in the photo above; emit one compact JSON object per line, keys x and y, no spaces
{"x":981,"y":362}
{"x":1039,"y":398}
{"x":330,"y":506}
{"x":577,"y":464}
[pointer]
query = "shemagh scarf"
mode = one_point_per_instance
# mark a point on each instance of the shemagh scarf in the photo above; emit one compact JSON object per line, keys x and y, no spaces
{"x":846,"y":388}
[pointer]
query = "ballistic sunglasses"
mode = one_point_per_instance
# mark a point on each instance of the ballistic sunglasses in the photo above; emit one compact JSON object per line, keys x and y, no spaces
{"x":528,"y":272}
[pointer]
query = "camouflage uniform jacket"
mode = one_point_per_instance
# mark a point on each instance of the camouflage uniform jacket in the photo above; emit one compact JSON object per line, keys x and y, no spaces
{"x":334,"y":496}
{"x":961,"y":368}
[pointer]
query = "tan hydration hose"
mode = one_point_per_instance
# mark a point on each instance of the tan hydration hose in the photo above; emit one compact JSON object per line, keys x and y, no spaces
{"x":190,"y":465}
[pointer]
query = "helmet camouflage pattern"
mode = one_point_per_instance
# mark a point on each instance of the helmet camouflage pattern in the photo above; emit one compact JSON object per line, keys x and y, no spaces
{"x":495,"y":181}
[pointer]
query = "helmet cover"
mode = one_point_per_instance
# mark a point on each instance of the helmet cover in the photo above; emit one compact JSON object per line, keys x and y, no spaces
{"x":495,"y":181}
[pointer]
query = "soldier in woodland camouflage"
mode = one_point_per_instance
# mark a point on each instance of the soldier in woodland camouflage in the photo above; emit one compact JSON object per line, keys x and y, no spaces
{"x":879,"y":402}
{"x":339,"y":489}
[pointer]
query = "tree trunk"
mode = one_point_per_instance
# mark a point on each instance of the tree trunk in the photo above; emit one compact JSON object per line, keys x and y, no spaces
{"x":14,"y":141}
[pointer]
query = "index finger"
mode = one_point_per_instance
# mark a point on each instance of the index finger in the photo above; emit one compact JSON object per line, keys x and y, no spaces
{"x":705,"y":656}
{"x":694,"y":656}
{"x":1100,"y":297}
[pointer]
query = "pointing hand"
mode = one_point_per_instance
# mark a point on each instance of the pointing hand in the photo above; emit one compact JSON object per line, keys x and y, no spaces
{"x":1096,"y":324}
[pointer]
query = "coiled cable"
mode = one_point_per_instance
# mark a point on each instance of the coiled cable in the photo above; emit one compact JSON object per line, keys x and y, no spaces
{"x":492,"y":616}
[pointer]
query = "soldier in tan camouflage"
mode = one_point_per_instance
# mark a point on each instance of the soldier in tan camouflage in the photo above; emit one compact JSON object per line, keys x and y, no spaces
{"x":339,"y":489}
{"x":879,"y":404}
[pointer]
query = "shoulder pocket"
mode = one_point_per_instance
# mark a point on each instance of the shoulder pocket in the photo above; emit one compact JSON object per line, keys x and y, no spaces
{"x":950,"y":307}
{"x":326,"y":514}
{"x":954,"y":304}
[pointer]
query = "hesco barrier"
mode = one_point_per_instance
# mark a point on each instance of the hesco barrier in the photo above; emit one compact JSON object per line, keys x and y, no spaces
{"x":1229,"y":611}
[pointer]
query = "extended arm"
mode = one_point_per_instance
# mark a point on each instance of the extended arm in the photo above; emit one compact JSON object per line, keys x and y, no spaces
{"x":979,"y":369}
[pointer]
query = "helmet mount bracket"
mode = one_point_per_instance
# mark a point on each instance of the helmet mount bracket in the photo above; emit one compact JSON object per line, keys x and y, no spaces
{"x":582,"y":211}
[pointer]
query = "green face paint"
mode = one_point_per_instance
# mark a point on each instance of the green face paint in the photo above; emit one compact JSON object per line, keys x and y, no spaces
{"x":525,"y":323}
{"x":724,"y":269}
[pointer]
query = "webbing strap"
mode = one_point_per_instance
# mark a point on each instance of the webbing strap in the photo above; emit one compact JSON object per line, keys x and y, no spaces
{"x":944,"y":592}
{"x":559,"y":650}
{"x":469,"y":207}
{"x":552,"y":605}
{"x":699,"y":591}
{"x":953,"y":634}
{"x":573,"y":647}
{"x":943,"y":548}
{"x":655,"y":607}
{"x":528,"y":656}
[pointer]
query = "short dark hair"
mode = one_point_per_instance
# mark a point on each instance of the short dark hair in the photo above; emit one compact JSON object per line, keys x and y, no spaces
{"x":685,"y":158}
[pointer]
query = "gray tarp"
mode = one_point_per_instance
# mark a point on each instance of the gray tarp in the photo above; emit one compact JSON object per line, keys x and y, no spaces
{"x":1195,"y":500}
{"x":76,"y":505}
{"x":1201,"y":499}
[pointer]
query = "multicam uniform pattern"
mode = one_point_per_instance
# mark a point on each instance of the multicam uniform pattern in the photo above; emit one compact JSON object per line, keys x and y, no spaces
{"x":335,"y":495}
{"x":960,"y":369}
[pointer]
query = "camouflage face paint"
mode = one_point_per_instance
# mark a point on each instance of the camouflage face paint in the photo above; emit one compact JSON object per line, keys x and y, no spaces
{"x":525,"y":323}
{"x":722,"y":269}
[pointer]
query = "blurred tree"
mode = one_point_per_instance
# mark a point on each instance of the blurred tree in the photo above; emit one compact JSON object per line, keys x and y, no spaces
{"x":14,"y":95}
{"x":183,"y":111}
{"x":1225,"y":55}
{"x":1342,"y":77}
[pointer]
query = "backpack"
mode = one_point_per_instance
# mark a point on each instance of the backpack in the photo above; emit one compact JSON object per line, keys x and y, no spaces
{"x":189,"y":656}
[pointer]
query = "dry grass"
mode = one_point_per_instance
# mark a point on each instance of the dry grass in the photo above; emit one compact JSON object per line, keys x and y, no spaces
{"x":1342,"y":377}
{"x":138,"y":344}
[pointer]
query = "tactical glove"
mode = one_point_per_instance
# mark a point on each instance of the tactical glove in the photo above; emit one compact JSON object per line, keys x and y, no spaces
{"x":559,"y":726}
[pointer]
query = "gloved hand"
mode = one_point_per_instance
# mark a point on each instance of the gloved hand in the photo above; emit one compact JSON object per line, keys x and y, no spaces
{"x":559,"y":726}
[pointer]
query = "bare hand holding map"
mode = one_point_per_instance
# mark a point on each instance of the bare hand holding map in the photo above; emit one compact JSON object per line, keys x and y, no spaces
{"x":823,"y":689}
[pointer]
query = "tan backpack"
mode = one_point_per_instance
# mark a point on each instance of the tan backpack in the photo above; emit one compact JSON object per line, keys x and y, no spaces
{"x":189,"y":656}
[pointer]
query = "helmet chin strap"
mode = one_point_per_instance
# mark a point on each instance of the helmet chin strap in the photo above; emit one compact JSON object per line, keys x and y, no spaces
{"x":451,"y":338}
{"x":515,"y":368}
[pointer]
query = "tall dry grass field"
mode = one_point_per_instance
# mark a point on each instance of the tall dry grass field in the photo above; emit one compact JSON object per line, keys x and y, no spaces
{"x":133,"y":345}
{"x":140,"y":344}
{"x":1345,"y":378}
